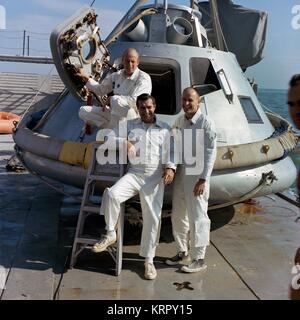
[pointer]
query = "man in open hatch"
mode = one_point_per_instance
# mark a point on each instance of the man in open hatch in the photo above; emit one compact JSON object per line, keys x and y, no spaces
{"x":125,"y":85}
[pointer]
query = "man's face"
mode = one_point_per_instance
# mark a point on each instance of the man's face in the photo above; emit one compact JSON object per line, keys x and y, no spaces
{"x":294,"y":104}
{"x":190,"y":103}
{"x":147,"y":111}
{"x":130,"y":62}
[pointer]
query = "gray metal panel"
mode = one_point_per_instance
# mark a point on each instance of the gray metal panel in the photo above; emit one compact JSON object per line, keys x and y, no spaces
{"x":228,"y":184}
{"x":64,"y":122}
{"x":158,"y":24}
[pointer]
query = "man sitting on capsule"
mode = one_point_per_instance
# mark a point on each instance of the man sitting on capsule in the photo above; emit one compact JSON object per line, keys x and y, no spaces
{"x":126,"y":84}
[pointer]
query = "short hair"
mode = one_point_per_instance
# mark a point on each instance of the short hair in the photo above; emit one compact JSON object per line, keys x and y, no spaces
{"x":295,"y":80}
{"x":145,"y":97}
{"x":191,"y":89}
{"x":125,"y":53}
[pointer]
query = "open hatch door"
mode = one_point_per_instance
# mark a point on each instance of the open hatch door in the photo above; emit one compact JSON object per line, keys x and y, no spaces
{"x":76,"y":43}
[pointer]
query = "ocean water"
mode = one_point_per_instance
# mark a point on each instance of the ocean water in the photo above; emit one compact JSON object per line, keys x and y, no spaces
{"x":275,"y":100}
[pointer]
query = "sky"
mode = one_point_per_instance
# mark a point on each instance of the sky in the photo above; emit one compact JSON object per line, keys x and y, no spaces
{"x":39,"y":17}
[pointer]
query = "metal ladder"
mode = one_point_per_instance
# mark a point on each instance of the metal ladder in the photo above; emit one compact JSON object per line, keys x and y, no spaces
{"x":81,"y":241}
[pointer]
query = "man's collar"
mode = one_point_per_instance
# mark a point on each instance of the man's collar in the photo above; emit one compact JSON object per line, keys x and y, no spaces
{"x":157,"y":122}
{"x":134,"y":76}
{"x":195,"y":117}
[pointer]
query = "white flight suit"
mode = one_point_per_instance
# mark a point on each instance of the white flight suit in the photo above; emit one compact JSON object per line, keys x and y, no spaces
{"x":123,"y":102}
{"x":189,"y":214}
{"x":144,"y":178}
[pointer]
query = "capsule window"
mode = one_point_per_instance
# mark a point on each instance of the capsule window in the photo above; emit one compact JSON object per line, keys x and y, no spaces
{"x":250,"y":111}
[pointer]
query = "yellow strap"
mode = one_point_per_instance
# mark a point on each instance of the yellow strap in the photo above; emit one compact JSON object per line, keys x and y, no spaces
{"x":77,"y":153}
{"x":73,"y":152}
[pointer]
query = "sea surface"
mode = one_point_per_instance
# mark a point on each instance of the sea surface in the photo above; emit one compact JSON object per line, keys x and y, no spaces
{"x":276,"y":101}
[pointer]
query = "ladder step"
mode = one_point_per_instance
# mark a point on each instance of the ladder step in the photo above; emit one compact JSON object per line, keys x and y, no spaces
{"x":93,"y":209}
{"x":104,"y":178}
{"x":86,"y":240}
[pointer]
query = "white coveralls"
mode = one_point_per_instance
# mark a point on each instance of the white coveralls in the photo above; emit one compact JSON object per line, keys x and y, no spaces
{"x":189,"y":215}
{"x":123,"y":102}
{"x":144,"y":178}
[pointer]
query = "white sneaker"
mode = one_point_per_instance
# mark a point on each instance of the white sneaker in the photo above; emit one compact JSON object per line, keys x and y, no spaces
{"x":150,"y":272}
{"x":180,"y":258}
{"x":104,"y":242}
{"x":195,"y":266}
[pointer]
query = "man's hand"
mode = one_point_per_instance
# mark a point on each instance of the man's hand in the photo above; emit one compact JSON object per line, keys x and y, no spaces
{"x":199,"y":187}
{"x":80,"y":74}
{"x":168,"y":176}
{"x":107,"y":102}
{"x":131,"y":150}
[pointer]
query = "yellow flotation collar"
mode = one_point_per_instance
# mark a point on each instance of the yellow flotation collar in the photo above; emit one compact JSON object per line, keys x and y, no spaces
{"x":77,"y":153}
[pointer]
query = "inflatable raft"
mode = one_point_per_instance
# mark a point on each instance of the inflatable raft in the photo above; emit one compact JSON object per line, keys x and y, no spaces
{"x":8,"y":122}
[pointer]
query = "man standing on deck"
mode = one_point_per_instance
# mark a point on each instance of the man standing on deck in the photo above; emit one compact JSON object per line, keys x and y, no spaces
{"x":147,"y":141}
{"x":190,"y":221}
{"x":294,"y":109}
{"x":294,"y":99}
{"x":126,"y":84}
{"x":294,"y":106}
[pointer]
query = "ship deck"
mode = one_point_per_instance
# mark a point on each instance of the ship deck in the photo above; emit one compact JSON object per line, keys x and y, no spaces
{"x":251,"y":255}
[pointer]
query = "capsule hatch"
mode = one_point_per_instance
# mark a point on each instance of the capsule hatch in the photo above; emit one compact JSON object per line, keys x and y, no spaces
{"x":76,"y":43}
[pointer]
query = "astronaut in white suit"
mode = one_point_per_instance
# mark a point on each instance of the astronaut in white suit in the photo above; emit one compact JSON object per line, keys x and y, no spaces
{"x":126,"y":84}
{"x":190,"y":221}
{"x":150,"y":169}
